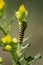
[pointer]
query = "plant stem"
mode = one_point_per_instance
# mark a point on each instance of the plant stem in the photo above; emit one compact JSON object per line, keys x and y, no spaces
{"x":15,"y":58}
{"x":3,"y":30}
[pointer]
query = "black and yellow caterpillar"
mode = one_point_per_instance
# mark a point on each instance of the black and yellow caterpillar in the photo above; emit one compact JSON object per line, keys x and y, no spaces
{"x":21,"y":31}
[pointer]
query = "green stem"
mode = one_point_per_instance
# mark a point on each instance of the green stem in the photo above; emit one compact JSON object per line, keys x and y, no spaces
{"x":3,"y":30}
{"x":15,"y":58}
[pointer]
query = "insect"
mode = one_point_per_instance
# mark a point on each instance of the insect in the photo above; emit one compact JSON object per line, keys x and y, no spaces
{"x":21,"y":31}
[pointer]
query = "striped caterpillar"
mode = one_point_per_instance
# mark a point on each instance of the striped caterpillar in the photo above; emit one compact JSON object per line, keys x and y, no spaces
{"x":21,"y":31}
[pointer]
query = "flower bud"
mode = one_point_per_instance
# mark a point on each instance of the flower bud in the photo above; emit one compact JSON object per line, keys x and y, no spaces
{"x":15,"y":40}
{"x":8,"y":48}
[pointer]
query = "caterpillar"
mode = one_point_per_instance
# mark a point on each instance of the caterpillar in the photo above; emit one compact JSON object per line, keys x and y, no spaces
{"x":21,"y":31}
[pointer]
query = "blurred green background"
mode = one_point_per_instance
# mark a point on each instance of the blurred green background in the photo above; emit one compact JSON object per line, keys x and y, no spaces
{"x":35,"y":27}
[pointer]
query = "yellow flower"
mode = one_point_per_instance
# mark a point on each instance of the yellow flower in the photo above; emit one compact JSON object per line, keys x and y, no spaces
{"x":1,"y":60}
{"x":7,"y":39}
{"x":15,"y":40}
{"x":2,"y":4}
{"x":8,"y":48}
{"x":22,"y":9}
{"x":21,"y":13}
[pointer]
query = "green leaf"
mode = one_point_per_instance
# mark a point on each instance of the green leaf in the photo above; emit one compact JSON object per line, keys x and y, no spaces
{"x":29,"y":59}
{"x":25,"y":46}
{"x":25,"y":39}
{"x":38,"y":56}
{"x":1,"y":44}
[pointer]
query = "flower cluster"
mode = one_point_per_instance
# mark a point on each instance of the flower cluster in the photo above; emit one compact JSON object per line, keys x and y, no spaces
{"x":8,"y":41}
{"x":21,"y":13}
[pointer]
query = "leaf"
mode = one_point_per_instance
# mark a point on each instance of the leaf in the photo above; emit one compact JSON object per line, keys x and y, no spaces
{"x":26,"y":46}
{"x":1,"y":44}
{"x":38,"y":56}
{"x":25,"y":39}
{"x":29,"y":59}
